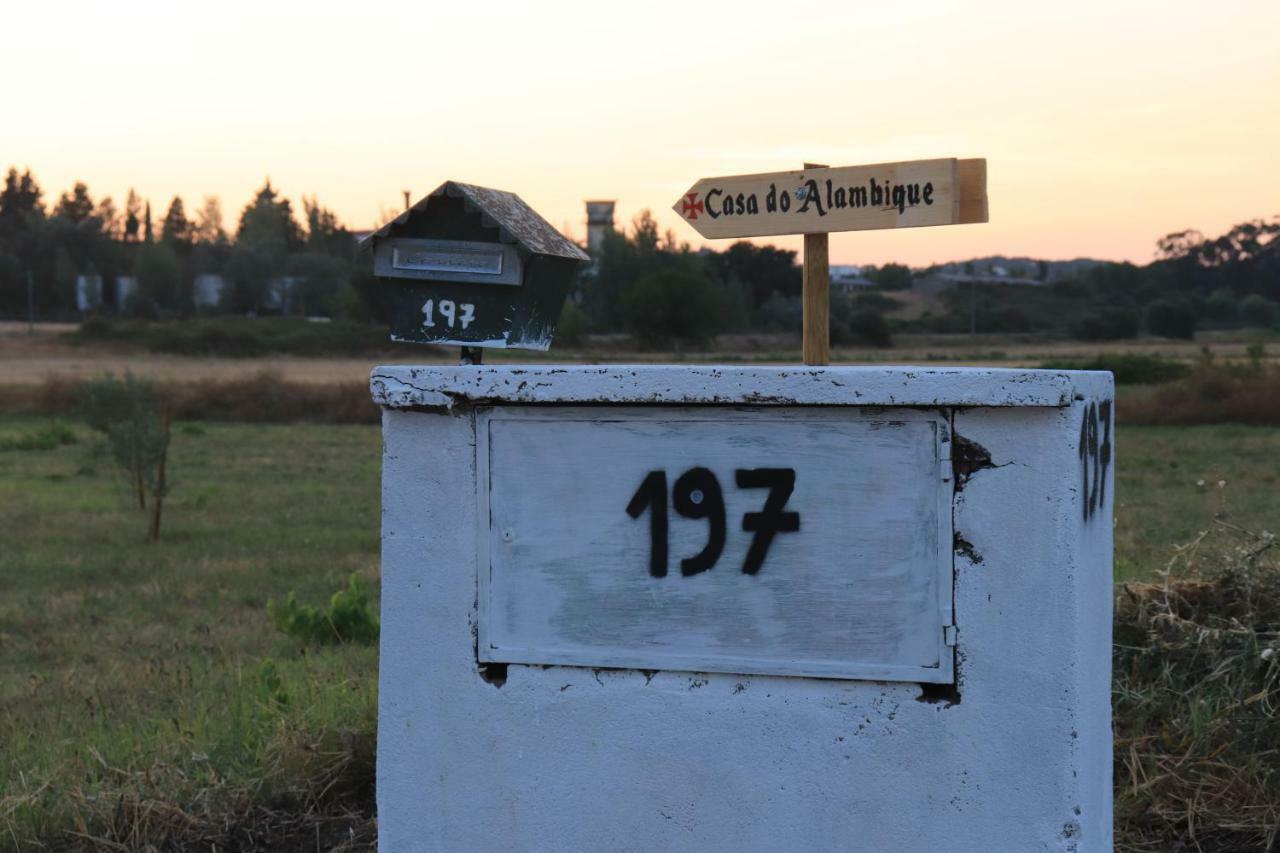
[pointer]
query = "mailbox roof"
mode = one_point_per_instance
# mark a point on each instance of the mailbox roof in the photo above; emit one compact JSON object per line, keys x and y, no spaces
{"x":516,"y":221}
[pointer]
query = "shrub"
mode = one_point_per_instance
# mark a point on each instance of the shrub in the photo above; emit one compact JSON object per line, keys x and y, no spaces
{"x":877,"y":302}
{"x":781,"y":313}
{"x":1106,"y":323}
{"x":572,"y":328}
{"x":1258,"y":311}
{"x":50,"y":437}
{"x":863,"y":327}
{"x":1222,"y":307}
{"x":677,"y":304}
{"x":1128,"y":368}
{"x":349,"y":619}
{"x":1171,"y":318}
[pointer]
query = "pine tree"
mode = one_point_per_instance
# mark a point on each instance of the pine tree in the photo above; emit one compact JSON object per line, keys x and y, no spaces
{"x":176,"y":230}
{"x":208,"y":228}
{"x":132,"y":211}
{"x":75,"y":206}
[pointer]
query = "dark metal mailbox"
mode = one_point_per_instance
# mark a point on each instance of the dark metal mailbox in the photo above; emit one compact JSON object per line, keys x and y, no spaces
{"x":475,"y":267}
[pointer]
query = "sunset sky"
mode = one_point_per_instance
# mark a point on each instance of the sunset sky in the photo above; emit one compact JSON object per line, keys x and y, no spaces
{"x":1105,"y":125}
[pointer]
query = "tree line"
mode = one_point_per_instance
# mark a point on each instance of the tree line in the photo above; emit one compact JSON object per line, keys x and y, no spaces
{"x":643,"y":282}
{"x":44,"y":249}
{"x":1194,"y":283}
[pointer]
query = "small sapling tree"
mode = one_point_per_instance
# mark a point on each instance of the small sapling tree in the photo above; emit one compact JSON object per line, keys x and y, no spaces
{"x":134,"y":422}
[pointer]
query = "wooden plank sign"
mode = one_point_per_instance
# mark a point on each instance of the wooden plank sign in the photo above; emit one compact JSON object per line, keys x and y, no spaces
{"x":849,"y":198}
{"x":788,"y":542}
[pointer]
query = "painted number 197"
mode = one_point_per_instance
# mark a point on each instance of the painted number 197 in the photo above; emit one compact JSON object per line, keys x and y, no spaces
{"x":697,"y":495}
{"x":461,"y":313}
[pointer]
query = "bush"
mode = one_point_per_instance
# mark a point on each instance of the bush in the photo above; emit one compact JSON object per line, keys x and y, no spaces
{"x":349,"y":619}
{"x":1259,"y":312}
{"x":865,"y":328}
{"x":877,"y":302}
{"x":1171,"y":318}
{"x":53,"y":436}
{"x":676,"y":304}
{"x":1128,"y":368}
{"x":1106,"y":323}
{"x":572,"y":328}
{"x":1221,"y":306}
{"x":781,"y":313}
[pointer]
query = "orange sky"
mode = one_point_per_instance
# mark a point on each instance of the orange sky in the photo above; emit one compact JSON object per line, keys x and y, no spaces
{"x":1105,"y":125}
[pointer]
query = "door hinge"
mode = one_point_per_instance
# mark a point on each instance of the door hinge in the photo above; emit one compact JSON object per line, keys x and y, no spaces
{"x":950,"y":634}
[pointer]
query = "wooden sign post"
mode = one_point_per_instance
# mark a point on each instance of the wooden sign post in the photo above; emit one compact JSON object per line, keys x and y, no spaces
{"x":815,"y":296}
{"x":819,"y":200}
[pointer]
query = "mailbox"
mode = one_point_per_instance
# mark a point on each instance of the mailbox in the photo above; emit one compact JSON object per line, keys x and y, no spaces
{"x":473,"y":267}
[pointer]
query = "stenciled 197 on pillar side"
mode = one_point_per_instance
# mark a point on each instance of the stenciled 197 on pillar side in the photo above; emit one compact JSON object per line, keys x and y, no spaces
{"x":675,"y":608}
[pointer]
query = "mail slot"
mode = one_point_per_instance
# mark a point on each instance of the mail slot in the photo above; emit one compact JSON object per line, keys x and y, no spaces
{"x":475,"y":267}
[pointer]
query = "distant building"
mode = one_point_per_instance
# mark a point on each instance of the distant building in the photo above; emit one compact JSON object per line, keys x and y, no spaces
{"x":846,"y":278}
{"x":108,"y":294}
{"x":283,"y":295}
{"x":126,"y":288}
{"x":88,"y":293}
{"x":208,"y":291}
{"x":937,"y":282}
{"x":599,"y":223}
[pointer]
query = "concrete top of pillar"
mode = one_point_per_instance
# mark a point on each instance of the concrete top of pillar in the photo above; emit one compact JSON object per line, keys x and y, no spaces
{"x":434,"y":387}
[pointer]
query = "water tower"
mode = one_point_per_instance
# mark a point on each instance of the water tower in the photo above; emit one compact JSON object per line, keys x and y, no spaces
{"x":599,"y":221}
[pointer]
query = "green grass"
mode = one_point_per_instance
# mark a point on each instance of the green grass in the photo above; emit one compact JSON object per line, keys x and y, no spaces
{"x":153,"y":669}
{"x":144,"y":692}
{"x":1167,"y":488}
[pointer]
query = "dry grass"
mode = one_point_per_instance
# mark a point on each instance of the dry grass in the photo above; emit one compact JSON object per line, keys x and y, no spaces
{"x":1213,"y":394}
{"x":313,"y":795}
{"x":261,"y":397}
{"x":1197,"y":700}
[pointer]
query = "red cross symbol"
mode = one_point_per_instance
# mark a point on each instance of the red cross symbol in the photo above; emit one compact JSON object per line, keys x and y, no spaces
{"x":690,"y":206}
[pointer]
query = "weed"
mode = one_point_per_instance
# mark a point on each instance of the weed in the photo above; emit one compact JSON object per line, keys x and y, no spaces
{"x":49,"y":437}
{"x":349,"y":619}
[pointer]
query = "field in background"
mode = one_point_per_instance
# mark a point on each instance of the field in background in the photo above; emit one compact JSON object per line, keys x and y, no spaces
{"x":53,"y":351}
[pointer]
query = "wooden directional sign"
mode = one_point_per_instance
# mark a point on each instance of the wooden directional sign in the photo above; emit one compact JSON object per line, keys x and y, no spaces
{"x":849,"y":198}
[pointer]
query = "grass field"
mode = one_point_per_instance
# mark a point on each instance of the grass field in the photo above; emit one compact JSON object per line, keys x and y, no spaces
{"x":153,"y":671}
{"x":144,"y":690}
{"x":1173,"y":482}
